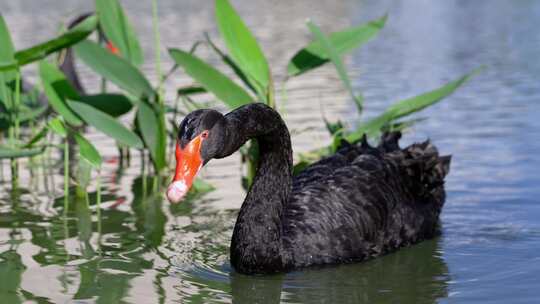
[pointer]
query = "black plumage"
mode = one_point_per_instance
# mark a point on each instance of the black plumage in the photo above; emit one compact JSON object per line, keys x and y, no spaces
{"x":359,"y":203}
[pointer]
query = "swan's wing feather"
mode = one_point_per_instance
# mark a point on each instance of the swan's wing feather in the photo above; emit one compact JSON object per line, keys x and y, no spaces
{"x":364,"y":201}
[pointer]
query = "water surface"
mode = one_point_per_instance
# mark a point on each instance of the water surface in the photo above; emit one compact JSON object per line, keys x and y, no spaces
{"x":142,"y":250}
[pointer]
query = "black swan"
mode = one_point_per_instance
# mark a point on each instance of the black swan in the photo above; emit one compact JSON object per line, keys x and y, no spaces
{"x":359,"y":203}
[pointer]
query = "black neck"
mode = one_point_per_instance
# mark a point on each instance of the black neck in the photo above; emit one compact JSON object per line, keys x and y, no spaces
{"x":257,"y":233}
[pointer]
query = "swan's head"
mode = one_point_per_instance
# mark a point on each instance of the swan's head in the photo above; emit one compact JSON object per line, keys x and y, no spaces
{"x":199,"y":139}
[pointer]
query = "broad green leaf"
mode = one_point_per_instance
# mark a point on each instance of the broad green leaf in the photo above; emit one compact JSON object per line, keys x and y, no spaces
{"x":336,"y":60}
{"x":242,"y":46}
{"x":69,"y":38}
{"x":88,"y":151}
{"x":153,"y":135}
{"x":211,"y":79}
{"x":7,"y":56}
{"x":228,"y":61}
{"x":58,"y":89}
{"x":7,"y":152}
{"x":118,"y":30}
{"x":408,"y":106}
{"x":114,"y":68}
{"x":401,"y":109}
{"x":7,"y":51}
{"x":112,"y":104}
{"x":58,"y":127}
{"x":314,"y":55}
{"x":106,"y":124}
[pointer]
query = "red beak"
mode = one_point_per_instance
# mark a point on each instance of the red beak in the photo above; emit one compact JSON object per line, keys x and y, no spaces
{"x":188,"y":164}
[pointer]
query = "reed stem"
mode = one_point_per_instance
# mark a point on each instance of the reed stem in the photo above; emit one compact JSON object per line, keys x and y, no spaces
{"x":66,"y":175}
{"x":157,"y":47}
{"x":98,"y":206}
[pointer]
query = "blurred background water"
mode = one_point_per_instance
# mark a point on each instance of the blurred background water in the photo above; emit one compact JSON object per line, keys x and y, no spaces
{"x":143,"y":250}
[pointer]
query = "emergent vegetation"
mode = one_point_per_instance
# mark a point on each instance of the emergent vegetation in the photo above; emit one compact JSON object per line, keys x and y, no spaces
{"x":57,"y":110}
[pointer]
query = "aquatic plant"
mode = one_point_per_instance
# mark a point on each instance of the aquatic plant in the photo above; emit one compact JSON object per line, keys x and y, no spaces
{"x":62,"y":108}
{"x":246,"y":59}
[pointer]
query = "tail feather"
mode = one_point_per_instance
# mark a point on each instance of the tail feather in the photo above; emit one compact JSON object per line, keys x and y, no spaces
{"x":421,"y":163}
{"x":390,"y":142}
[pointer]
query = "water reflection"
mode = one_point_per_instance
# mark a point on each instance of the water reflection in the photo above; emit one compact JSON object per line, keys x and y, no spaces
{"x":107,"y":252}
{"x":11,"y":269}
{"x":414,"y":275}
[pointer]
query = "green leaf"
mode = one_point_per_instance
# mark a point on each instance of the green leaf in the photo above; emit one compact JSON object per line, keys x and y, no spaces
{"x":334,"y":127}
{"x":42,"y":50}
{"x":401,"y":109}
{"x":106,"y":124}
{"x":402,"y":125}
{"x":88,"y":151}
{"x":114,"y":68}
{"x":153,"y":135}
{"x":7,"y":56}
{"x":118,"y":30}
{"x":113,"y":104}
{"x":228,"y":61}
{"x":57,"y":126}
{"x":242,"y":46}
{"x":314,"y":55}
{"x":58,"y":89}
{"x":31,"y":113}
{"x":211,"y":79}
{"x":7,"y":51}
{"x":83,"y":177}
{"x":408,"y":106}
{"x":336,"y":60}
{"x":7,"y":152}
{"x":191,"y":90}
{"x":38,"y":137}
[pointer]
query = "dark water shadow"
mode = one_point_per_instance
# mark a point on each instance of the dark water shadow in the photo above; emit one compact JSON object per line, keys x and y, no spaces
{"x":412,"y":275}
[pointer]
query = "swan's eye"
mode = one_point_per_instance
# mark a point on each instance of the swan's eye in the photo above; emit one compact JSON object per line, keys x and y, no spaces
{"x":204,"y":134}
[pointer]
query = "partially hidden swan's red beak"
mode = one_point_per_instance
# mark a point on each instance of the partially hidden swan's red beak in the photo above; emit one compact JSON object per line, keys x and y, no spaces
{"x":188,"y":164}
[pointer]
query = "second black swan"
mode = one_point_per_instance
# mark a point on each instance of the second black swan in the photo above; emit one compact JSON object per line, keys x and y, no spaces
{"x":360,"y":203}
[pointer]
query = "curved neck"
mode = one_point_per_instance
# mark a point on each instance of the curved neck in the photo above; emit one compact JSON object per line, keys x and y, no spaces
{"x":256,"y":239}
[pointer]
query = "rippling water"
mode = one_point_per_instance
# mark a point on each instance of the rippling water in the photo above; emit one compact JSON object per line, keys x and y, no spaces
{"x":143,"y":250}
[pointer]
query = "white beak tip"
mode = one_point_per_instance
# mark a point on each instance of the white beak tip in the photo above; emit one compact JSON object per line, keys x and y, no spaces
{"x":177,"y":191}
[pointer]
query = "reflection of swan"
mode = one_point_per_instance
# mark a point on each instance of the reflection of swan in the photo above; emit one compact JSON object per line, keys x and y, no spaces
{"x":413,"y":275}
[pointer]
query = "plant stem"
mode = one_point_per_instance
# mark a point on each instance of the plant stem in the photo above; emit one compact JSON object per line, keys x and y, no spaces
{"x":103,"y":85}
{"x":270,"y":93}
{"x":98,"y":206}
{"x":161,"y":106}
{"x":155,"y":25}
{"x":17,"y":103}
{"x":15,"y":135}
{"x":143,"y":174}
{"x":175,"y":115}
{"x":66,"y":175}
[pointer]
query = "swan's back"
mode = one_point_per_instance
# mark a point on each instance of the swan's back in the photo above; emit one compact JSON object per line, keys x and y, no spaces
{"x":363,"y":202}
